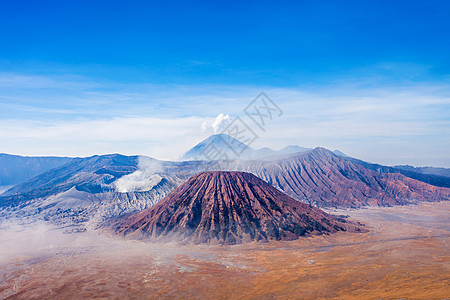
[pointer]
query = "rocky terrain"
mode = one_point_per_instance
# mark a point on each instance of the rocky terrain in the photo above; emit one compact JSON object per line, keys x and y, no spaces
{"x":77,"y":211}
{"x":125,"y":184}
{"x":92,"y":174}
{"x":434,"y":176}
{"x":227,"y":208}
{"x":324,"y":179}
{"x":403,"y":256}
{"x":86,"y":191}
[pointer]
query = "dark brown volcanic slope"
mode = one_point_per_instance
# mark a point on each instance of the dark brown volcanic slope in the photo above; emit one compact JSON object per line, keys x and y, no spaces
{"x":228,"y":208}
{"x":324,"y":179}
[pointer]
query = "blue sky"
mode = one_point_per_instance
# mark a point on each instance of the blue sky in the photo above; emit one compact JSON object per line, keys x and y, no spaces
{"x":371,"y":78}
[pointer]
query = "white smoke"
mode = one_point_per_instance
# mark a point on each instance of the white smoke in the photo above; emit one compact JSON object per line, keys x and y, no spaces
{"x":220,"y":122}
{"x":218,"y":125}
{"x":143,"y":179}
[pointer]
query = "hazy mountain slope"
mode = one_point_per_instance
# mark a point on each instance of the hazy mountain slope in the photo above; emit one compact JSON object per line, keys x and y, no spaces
{"x":322,"y":178}
{"x":92,"y":174}
{"x":227,"y":208}
{"x":427,"y":170}
{"x":15,"y":169}
{"x":433,"y":179}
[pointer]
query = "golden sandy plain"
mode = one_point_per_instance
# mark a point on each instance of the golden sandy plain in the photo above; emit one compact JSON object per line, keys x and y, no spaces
{"x":405,"y":255}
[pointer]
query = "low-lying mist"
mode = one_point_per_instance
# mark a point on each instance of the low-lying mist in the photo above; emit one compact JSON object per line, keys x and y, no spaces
{"x":39,"y":240}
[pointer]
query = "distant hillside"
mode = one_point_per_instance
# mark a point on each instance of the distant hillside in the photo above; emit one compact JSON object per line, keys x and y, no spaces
{"x":325,"y":179}
{"x":415,"y":173}
{"x":426,"y":170}
{"x":91,"y":174}
{"x":15,"y":169}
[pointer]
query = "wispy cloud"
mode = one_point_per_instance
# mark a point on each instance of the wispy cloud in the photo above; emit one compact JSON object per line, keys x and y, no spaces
{"x":163,"y":121}
{"x":160,"y":137}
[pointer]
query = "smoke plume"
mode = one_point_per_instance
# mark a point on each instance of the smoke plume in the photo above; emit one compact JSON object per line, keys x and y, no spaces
{"x":144,"y":179}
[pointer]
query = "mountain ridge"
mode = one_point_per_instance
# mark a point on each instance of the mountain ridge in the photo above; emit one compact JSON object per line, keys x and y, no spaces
{"x":91,"y":175}
{"x":16,"y":169}
{"x":226,"y":147}
{"x":324,"y":179}
{"x":318,"y":177}
{"x":223,"y":207}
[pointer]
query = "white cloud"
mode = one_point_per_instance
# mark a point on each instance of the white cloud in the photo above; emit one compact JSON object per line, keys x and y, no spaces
{"x":164,"y":138}
{"x":204,"y":126}
{"x":81,"y":118}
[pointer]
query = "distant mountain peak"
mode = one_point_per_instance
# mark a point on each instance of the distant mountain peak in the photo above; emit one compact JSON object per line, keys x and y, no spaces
{"x":223,"y":147}
{"x":217,"y":147}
